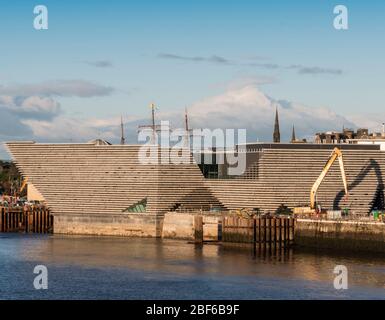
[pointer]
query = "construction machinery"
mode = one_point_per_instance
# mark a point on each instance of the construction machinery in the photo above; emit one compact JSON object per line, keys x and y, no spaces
{"x":245,"y":213}
{"x":23,"y":185}
{"x":314,"y":209}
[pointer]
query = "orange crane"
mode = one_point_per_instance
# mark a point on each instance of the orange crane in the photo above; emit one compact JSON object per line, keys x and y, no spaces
{"x":336,"y":154}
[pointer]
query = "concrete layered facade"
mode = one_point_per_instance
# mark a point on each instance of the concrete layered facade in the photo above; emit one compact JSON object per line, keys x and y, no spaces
{"x":92,"y":188}
{"x":89,"y":186}
{"x":285,"y":176}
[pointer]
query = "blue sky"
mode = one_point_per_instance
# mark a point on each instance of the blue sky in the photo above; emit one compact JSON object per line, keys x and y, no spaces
{"x":126,"y":54}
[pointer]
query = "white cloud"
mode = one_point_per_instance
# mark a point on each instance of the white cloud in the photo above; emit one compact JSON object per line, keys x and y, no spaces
{"x":11,"y":129}
{"x":371,"y":121}
{"x":242,"y":107}
{"x":31,"y":111}
{"x":59,"y":88}
{"x":313,"y":70}
{"x":238,"y":107}
{"x":65,"y":129}
{"x":212,"y":59}
{"x":38,"y":101}
{"x":99,"y":63}
{"x":248,"y":107}
{"x":31,"y":107}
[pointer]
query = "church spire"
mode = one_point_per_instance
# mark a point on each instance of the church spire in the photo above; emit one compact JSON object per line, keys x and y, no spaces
{"x":122,"y":139}
{"x":276,"y":134}
{"x":293,"y":139}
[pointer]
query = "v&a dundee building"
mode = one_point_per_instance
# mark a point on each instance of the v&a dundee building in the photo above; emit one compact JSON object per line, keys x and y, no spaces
{"x":98,"y":188}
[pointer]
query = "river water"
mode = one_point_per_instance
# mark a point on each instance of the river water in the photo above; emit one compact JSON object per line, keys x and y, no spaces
{"x":134,"y":268}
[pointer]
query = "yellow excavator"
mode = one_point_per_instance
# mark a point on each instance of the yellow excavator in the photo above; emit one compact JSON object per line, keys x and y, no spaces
{"x":23,"y":185}
{"x":336,"y":153}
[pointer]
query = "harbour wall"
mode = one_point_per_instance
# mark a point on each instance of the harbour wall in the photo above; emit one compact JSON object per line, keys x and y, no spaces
{"x":172,"y":225}
{"x":128,"y":225}
{"x":341,"y":235}
{"x":323,"y":234}
{"x":364,"y":236}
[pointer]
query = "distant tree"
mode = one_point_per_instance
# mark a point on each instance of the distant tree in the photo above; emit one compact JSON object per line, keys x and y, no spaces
{"x":9,"y":178}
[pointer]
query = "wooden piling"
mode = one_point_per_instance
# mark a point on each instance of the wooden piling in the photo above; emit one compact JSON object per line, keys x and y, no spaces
{"x":198,"y":229}
{"x":258,"y":231}
{"x":263,"y":231}
{"x":291,"y":231}
{"x":29,"y":220}
{"x":272,"y":233}
{"x":268,"y":231}
{"x":277,"y":246}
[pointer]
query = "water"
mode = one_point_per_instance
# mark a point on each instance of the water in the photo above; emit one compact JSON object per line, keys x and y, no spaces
{"x":134,"y":268}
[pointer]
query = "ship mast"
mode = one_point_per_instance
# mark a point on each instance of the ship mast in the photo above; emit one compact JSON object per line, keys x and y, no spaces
{"x":153,"y":122}
{"x":153,"y":127}
{"x":187,"y":130}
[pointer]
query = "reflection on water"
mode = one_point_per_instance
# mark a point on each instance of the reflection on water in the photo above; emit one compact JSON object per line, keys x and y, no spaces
{"x":133,"y":268}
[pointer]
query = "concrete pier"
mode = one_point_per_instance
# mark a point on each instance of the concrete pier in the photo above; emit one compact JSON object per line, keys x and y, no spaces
{"x":128,"y":225}
{"x":183,"y":226}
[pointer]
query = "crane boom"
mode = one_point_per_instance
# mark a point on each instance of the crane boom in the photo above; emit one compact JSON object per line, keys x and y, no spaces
{"x":336,"y":153}
{"x":24,"y":184}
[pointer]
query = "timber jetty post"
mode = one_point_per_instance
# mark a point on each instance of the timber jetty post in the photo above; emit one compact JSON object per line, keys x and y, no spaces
{"x":28,"y":220}
{"x":265,"y":232}
{"x":198,"y":229}
{"x":201,"y":227}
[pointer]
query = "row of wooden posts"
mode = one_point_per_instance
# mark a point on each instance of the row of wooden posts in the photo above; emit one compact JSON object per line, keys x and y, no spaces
{"x":260,"y":230}
{"x":29,"y":220}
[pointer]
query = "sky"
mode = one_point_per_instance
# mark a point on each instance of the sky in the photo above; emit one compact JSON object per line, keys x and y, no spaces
{"x":230,"y":62}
